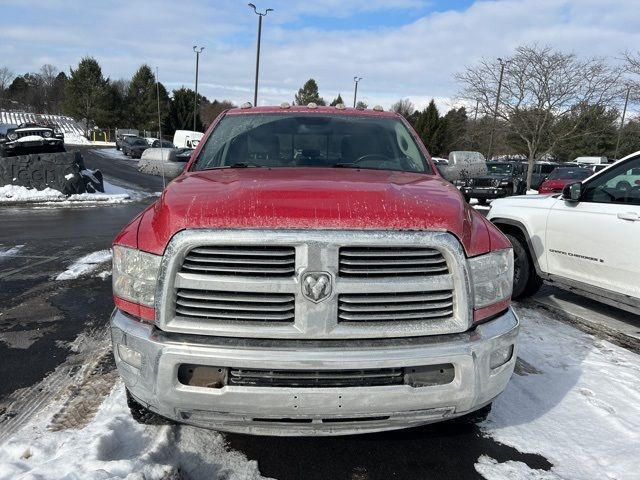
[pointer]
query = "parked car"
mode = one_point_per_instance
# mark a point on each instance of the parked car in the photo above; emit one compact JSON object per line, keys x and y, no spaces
{"x":268,"y":292}
{"x":134,"y":146}
{"x":29,"y":138}
{"x":541,"y":171}
{"x":163,"y":144}
{"x":124,"y":133}
{"x":591,"y":160}
{"x":561,"y":176}
{"x":502,"y":179}
{"x":585,"y":240}
{"x":186,"y":138}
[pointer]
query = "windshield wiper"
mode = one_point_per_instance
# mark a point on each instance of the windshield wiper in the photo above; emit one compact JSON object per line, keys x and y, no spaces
{"x":346,"y":165}
{"x":244,"y":165}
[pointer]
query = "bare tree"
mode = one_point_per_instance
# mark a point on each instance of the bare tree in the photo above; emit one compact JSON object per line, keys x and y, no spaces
{"x":6,"y":76}
{"x":632,"y":64}
{"x":404,"y":107}
{"x":542,"y":92}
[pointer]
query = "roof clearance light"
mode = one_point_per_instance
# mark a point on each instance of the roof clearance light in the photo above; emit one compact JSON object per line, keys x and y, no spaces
{"x":378,"y":108}
{"x":285,"y":105}
{"x":340,"y":106}
{"x":246,"y":105}
{"x":312,"y":106}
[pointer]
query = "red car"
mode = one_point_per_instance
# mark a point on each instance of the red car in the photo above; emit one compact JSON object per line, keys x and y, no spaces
{"x":562,"y":176}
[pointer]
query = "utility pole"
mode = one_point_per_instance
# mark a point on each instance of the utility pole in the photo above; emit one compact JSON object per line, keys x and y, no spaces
{"x":495,"y":110}
{"x":624,"y":112}
{"x":355,"y":93}
{"x":195,"y":101}
{"x":260,"y":15}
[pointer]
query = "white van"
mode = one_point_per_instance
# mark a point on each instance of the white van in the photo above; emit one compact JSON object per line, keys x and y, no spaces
{"x":187,"y":138}
{"x":591,"y":160}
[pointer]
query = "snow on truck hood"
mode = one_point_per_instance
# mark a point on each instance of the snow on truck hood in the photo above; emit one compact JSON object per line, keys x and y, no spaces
{"x":317,"y":198}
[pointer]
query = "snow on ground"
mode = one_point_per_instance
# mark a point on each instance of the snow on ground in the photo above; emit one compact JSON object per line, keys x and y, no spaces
{"x":73,"y":138}
{"x":86,"y":264}
{"x":574,"y":400}
{"x":112,"y":194}
{"x":112,"y":153}
{"x":7,"y":252}
{"x":114,"y":446}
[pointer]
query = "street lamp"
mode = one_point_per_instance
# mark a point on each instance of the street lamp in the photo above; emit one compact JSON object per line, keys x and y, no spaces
{"x":195,"y":102}
{"x":355,"y":93}
{"x":495,"y":110}
{"x":260,"y":15}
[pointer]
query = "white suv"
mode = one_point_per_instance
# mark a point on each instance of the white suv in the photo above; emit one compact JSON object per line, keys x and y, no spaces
{"x":587,"y":239}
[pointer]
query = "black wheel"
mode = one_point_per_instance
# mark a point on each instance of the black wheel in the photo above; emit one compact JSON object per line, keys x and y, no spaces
{"x":482,"y":201}
{"x":526,"y":281}
{"x":117,"y":147}
{"x":467,"y":198}
{"x":143,"y":415}
{"x":477,"y":416}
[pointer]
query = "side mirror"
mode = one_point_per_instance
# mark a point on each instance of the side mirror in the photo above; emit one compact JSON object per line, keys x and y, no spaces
{"x":572,"y":192}
{"x":463,"y":165}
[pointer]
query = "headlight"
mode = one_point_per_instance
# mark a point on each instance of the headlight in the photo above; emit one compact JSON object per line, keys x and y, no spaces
{"x":12,"y":136}
{"x":47,"y":134}
{"x":470,"y":182}
{"x":135,"y":274}
{"x":492,"y":277}
{"x":496,"y":182}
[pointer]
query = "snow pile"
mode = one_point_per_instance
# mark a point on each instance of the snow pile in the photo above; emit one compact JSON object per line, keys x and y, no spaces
{"x":114,"y":446}
{"x":112,"y":194}
{"x":74,"y":138}
{"x":576,"y":402}
{"x":86,"y":264}
{"x":10,"y":251}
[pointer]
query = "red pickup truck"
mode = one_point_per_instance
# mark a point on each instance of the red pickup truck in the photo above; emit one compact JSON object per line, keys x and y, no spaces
{"x":311,"y":273}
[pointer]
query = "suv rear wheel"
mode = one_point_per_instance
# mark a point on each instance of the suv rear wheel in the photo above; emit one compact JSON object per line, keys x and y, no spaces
{"x":526,"y":281}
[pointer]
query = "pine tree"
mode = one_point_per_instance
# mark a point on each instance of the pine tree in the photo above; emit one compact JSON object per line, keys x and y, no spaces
{"x":142,"y":100}
{"x":427,"y":127}
{"x":308,"y":94}
{"x":181,"y":112}
{"x":86,"y":91}
{"x":361,"y":104}
{"x":337,"y":100}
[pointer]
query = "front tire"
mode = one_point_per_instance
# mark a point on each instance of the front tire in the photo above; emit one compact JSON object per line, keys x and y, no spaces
{"x":482,"y":201}
{"x":143,"y":415}
{"x":526,"y":281}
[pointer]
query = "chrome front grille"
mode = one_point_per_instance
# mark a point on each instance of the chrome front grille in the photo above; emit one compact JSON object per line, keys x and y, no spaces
{"x":252,"y":261}
{"x":313,"y":284}
{"x":394,"y":307}
{"x":234,"y":306}
{"x":316,"y":378}
{"x":29,"y":133}
{"x":390,"y":262}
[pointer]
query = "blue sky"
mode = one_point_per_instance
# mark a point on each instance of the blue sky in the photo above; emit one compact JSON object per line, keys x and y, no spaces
{"x":401,"y":48}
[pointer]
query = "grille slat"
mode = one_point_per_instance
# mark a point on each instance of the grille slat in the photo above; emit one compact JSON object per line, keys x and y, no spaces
{"x":249,"y":261}
{"x":392,"y":307}
{"x":224,"y":306}
{"x":317,"y":378}
{"x":379,"y":262}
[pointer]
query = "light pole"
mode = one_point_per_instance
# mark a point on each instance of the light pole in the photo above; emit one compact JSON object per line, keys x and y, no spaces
{"x":624,"y":112}
{"x":495,"y":110}
{"x":195,"y":101}
{"x":355,"y":93}
{"x":260,"y":15}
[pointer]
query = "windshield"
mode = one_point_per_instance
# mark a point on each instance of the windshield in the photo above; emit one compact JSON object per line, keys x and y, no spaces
{"x":499,"y":168}
{"x":564,"y":173}
{"x":141,"y":143}
{"x":311,"y":140}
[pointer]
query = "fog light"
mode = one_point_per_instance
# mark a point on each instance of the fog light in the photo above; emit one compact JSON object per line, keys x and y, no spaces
{"x":500,"y":357}
{"x":202,"y":376}
{"x":130,"y":356}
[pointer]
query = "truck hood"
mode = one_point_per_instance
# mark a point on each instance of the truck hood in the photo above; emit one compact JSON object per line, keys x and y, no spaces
{"x":316,"y":198}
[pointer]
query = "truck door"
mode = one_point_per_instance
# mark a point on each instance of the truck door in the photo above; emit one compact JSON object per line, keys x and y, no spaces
{"x":597,"y":240}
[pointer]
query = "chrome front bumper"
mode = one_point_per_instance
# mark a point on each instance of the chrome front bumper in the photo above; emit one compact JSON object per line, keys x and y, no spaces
{"x":313,"y":411}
